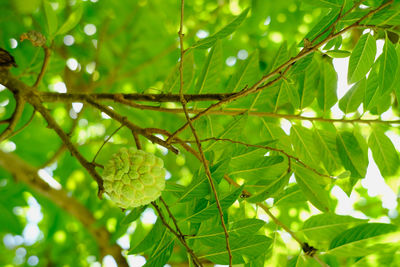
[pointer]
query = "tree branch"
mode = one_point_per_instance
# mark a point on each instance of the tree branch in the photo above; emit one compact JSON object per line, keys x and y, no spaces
{"x":133,"y":127}
{"x":159,"y":98}
{"x":179,"y":235}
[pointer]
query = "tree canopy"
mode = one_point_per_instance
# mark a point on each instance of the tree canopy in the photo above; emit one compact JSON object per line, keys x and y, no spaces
{"x":269,"y":116}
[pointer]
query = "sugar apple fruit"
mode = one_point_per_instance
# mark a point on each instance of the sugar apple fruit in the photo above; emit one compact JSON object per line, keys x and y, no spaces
{"x":133,"y":177}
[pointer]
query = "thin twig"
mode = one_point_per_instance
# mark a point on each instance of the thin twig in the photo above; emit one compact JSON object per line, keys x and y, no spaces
{"x":266,"y":148}
{"x":180,"y":237}
{"x":19,"y":108}
{"x":105,"y":142}
{"x":321,"y":262}
{"x":24,"y":126}
{"x":47,"y":53}
{"x":137,"y":140}
{"x":133,"y":127}
{"x":172,"y":217}
{"x":179,"y":141}
{"x":203,"y":159}
{"x":55,"y":156}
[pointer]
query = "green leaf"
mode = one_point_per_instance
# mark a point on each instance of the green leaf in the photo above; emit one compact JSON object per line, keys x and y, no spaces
{"x":155,"y":233}
{"x":302,"y":64}
{"x":247,"y":73}
{"x":396,"y":83}
{"x":351,"y":154}
{"x":383,"y":152}
{"x":9,"y":221}
{"x":71,"y":21}
{"x":200,"y":187}
{"x":216,"y":236}
{"x":133,"y":215}
{"x":231,"y":131}
{"x":287,"y":93}
{"x":315,"y":193}
{"x":291,"y":195}
{"x":212,"y":209}
{"x":353,"y":98}
{"x":256,"y":169}
{"x":270,"y":188}
{"x":327,"y":96}
{"x":362,"y":58}
{"x":372,"y":93}
{"x":387,"y":16}
{"x":172,"y":83}
{"x":324,"y":227}
{"x":249,"y":248}
{"x":338,"y":53}
{"x":161,"y":253}
{"x":326,"y":141}
{"x":304,"y":145}
{"x":365,"y":239}
{"x":280,"y":57}
{"x":211,"y":72}
{"x":224,"y":32}
{"x":51,"y":17}
{"x":388,"y":67}
{"x":307,"y":82}
{"x":324,"y":3}
{"x":321,"y":26}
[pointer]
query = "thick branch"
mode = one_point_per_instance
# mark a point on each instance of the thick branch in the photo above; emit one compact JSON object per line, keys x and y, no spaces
{"x":72,"y":97}
{"x":29,"y":175}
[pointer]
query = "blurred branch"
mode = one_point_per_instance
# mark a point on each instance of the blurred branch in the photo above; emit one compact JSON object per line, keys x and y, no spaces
{"x":24,"y":126}
{"x":19,"y":108}
{"x":29,"y":175}
{"x":105,"y":142}
{"x":31,"y":95}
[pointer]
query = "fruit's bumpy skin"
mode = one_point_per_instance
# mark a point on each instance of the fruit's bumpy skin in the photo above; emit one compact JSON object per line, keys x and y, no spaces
{"x":133,"y":178}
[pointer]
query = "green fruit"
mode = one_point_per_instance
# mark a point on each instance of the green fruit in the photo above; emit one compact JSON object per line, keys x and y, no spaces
{"x":133,"y":178}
